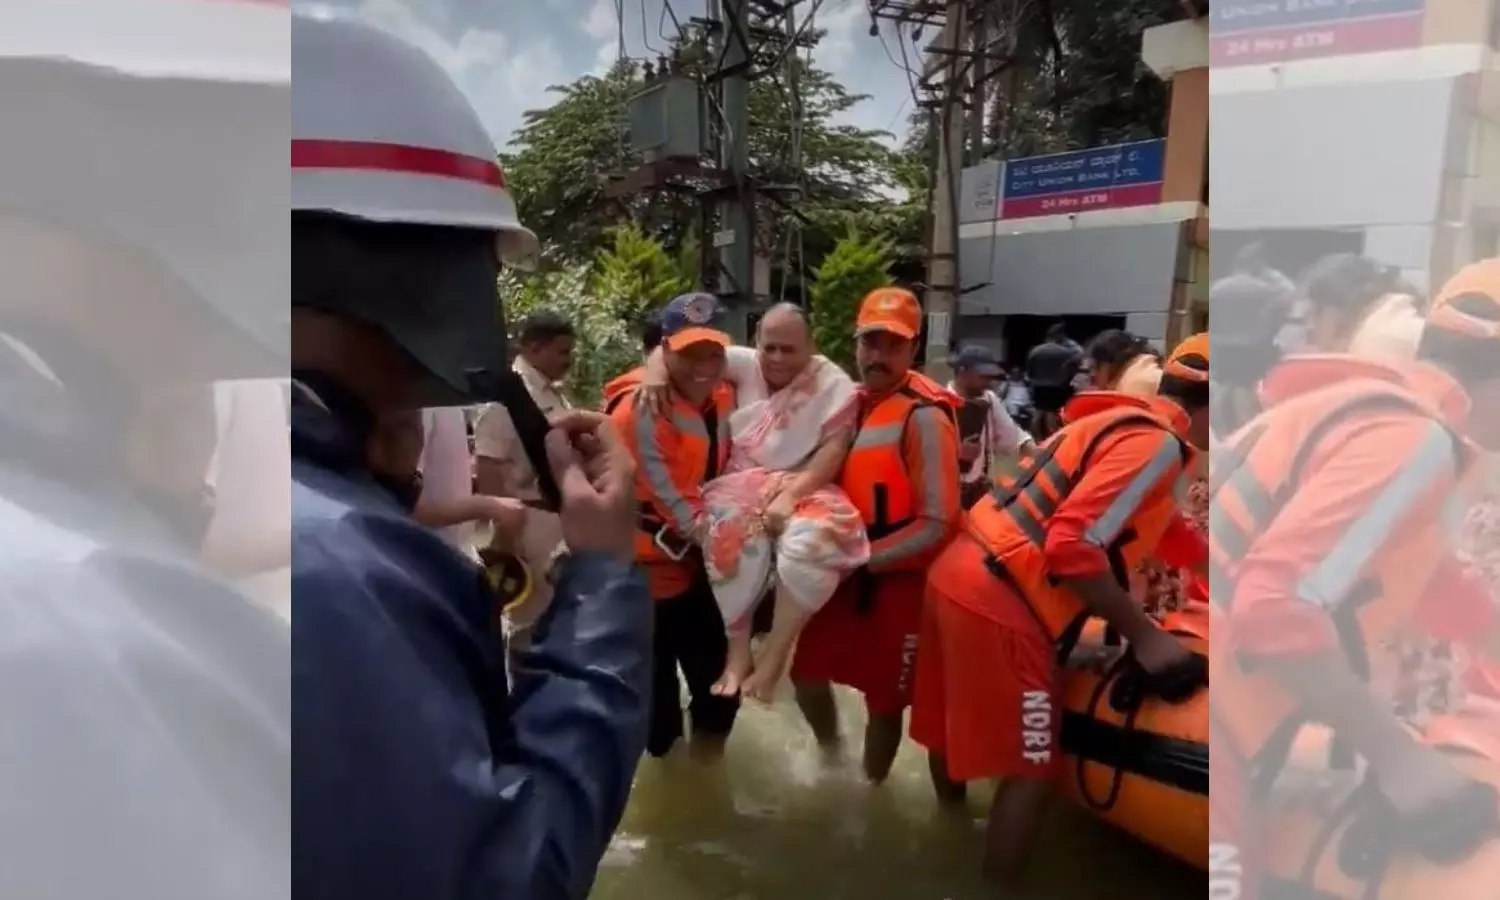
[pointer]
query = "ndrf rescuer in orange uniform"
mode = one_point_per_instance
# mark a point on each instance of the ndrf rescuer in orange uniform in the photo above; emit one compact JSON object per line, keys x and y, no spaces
{"x":1050,"y":547}
{"x":902,"y":475}
{"x":1331,"y":532}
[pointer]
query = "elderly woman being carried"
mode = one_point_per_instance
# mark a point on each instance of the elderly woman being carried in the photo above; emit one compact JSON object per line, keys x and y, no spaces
{"x":775,"y":517}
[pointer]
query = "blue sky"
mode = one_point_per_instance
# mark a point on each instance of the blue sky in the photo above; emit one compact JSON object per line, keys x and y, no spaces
{"x":505,"y":53}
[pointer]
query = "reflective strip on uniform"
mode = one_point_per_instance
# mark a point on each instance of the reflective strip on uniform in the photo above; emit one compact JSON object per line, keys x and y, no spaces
{"x":1220,"y":585}
{"x":932,"y":522}
{"x":1332,"y":580}
{"x":689,"y":426}
{"x":1029,"y":524}
{"x":658,"y":472}
{"x":1114,"y":519}
{"x":1454,"y":510}
{"x":1228,"y":536}
{"x":878,"y":436}
{"x":1045,"y":499}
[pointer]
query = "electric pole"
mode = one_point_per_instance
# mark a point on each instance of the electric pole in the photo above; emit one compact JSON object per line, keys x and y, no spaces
{"x":941,"y":300}
{"x":978,"y":102}
{"x":735,"y":237}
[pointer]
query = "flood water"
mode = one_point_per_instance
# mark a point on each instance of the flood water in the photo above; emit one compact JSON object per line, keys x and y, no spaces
{"x":775,"y":823}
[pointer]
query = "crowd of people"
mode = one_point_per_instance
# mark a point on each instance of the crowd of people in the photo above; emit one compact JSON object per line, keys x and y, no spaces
{"x":779,"y":494}
{"x":913,"y":542}
{"x":485,"y":699}
{"x":488,"y":637}
{"x":910,"y":540}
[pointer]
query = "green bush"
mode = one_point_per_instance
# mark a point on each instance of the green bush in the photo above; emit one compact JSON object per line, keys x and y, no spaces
{"x":853,"y":268}
{"x":607,"y":344}
{"x":606,"y":301}
{"x":637,"y":274}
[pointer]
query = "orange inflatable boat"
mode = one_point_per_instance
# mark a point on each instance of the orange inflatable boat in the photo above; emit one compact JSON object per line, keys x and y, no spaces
{"x":1141,"y":765}
{"x":1320,"y":843}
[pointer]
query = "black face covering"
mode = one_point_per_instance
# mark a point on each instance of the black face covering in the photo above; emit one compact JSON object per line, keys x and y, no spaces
{"x":430,"y":290}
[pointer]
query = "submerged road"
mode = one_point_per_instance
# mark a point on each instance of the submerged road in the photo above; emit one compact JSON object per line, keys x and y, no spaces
{"x":775,"y":823}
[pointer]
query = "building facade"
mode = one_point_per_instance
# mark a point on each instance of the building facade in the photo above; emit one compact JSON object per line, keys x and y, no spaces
{"x":1369,"y":126}
{"x":1126,"y":247}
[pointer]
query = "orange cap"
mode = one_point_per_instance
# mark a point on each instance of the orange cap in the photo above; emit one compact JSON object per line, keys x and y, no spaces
{"x":890,"y":309}
{"x":1479,"y":280}
{"x":1189,"y":359}
{"x":691,"y":319}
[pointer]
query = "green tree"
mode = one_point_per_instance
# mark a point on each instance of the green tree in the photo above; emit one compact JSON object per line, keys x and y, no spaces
{"x":1076,"y":78}
{"x":607,"y":344}
{"x":636,"y":274}
{"x":604,"y":300}
{"x":855,"y":266}
{"x":559,"y":161}
{"x":561,"y":157}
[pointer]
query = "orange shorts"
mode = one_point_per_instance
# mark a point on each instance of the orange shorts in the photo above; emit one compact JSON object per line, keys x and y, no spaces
{"x":987,"y":696}
{"x":875,"y":652}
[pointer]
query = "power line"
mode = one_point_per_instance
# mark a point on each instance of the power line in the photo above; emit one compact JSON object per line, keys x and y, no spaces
{"x":646,"y":38}
{"x":794,"y":39}
{"x":902,"y":64}
{"x":895,"y":117}
{"x":795,"y":127}
{"x":667,"y":10}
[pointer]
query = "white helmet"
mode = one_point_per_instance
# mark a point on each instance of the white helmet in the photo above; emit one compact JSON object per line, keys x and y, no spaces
{"x":381,"y":133}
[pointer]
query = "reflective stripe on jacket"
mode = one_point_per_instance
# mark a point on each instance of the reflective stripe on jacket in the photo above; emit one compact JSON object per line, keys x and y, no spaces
{"x":878,"y":476}
{"x":1123,"y":520}
{"x":1373,"y":578}
{"x":676,"y":454}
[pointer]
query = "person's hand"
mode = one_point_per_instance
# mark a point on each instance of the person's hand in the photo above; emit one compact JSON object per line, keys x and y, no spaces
{"x":778,"y":512}
{"x":968,"y":451}
{"x":596,"y":478}
{"x":506,"y":515}
{"x":655,"y":387}
{"x":1159,"y":652}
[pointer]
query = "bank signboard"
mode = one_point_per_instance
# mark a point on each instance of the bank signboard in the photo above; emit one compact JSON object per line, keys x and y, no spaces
{"x":1112,"y":177}
{"x":1246,"y":32}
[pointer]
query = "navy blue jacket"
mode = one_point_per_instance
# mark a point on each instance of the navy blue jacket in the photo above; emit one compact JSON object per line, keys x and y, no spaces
{"x":418,"y":772}
{"x":144,"y":712}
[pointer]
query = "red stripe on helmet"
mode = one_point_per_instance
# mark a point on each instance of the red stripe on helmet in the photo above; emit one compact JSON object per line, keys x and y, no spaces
{"x":372,"y":156}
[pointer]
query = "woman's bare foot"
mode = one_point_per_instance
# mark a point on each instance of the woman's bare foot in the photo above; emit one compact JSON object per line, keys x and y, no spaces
{"x":737,"y":663}
{"x":776,"y":653}
{"x":769,"y":669}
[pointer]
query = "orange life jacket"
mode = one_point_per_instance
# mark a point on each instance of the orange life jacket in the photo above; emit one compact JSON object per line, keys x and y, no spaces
{"x":874,"y":473}
{"x":1255,"y":472}
{"x":699,"y":442}
{"x":616,"y":389}
{"x":1012,"y":523}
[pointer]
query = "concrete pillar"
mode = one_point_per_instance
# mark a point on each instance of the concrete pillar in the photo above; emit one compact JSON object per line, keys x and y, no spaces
{"x":1178,"y":53}
{"x":1187,"y":137}
{"x":1457,"y":21}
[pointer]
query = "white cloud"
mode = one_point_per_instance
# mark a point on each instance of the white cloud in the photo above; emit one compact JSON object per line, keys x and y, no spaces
{"x":602,"y":20}
{"x":502,"y":77}
{"x":845,"y":21}
{"x":505,"y":69}
{"x":476,"y":48}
